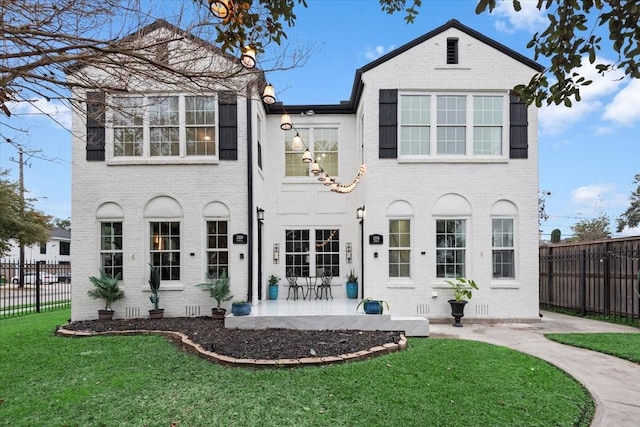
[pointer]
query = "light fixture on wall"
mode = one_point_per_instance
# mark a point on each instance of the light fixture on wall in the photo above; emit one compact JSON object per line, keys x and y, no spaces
{"x":360,"y":213}
{"x":248,"y":57}
{"x":260,"y":214}
{"x":221,"y":8}
{"x":269,"y":94}
{"x":276,"y":253}
{"x":349,"y":253}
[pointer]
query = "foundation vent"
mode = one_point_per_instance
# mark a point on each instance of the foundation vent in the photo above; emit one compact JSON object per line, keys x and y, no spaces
{"x":132,"y":312}
{"x":192,"y":311}
{"x":482,"y":309}
{"x":423,"y":309}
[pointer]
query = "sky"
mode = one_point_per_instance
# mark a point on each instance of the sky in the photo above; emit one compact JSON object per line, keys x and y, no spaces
{"x":588,"y":154}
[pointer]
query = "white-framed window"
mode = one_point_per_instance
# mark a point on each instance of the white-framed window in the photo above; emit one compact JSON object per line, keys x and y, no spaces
{"x":502,"y":243}
{"x":323,"y":144}
{"x":327,"y":250}
{"x":111,"y":248}
{"x":297,"y":252}
{"x":415,"y":129}
{"x":451,"y":124}
{"x":165,"y":248}
{"x":451,"y":243}
{"x":487,"y":125}
{"x":217,"y":247}
{"x":164,"y":126}
{"x":399,"y":248}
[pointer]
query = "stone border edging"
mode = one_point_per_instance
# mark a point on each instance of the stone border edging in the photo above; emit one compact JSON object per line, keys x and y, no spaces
{"x":183,"y":341}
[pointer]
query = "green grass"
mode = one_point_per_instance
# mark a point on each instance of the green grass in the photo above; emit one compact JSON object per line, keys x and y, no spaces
{"x":47,"y":380}
{"x":622,"y":345}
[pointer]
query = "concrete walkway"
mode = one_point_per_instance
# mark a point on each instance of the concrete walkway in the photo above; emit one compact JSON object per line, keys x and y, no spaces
{"x":614,"y":383}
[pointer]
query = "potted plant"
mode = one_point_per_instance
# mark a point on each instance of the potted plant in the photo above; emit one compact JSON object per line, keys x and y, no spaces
{"x":352,"y":285}
{"x":154,"y":284}
{"x":372,"y":306}
{"x":273,"y":286}
{"x":461,"y":290}
{"x":106,"y":288}
{"x":240,"y":308}
{"x":219,"y":290}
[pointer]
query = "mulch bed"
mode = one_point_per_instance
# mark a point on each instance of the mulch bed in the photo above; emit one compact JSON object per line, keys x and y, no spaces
{"x":250,"y":344}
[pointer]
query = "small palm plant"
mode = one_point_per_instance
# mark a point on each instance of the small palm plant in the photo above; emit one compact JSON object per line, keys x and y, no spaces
{"x":154,"y":284}
{"x":219,"y":289}
{"x":106,"y":288}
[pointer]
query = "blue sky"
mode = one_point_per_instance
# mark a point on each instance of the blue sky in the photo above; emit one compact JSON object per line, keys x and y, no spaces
{"x":589,"y":153}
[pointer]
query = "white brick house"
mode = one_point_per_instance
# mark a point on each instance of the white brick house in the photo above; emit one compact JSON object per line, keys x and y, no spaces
{"x":450,"y":187}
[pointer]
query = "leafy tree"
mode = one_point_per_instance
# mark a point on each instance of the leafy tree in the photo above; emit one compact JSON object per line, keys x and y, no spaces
{"x":542,"y":205}
{"x":43,"y":41}
{"x":591,"y":229}
{"x":569,"y":39}
{"x":556,"y":236}
{"x":26,"y":227}
{"x":631,"y":217}
{"x":64,"y":224}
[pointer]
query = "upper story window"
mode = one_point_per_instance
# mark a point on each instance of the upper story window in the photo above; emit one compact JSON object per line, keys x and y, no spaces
{"x":321,"y":141}
{"x":173,"y":125}
{"x":451,"y":125}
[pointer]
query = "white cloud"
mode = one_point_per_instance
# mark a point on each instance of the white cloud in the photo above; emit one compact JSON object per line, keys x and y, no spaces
{"x":555,"y":119}
{"x":372,"y":53}
{"x":624,"y":107}
{"x":593,"y":200}
{"x":529,"y":18}
{"x":42,"y":109}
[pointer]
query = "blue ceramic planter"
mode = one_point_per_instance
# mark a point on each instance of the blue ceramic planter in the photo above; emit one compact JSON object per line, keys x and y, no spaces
{"x":352,"y":290}
{"x":240,"y":309}
{"x":273,"y":292}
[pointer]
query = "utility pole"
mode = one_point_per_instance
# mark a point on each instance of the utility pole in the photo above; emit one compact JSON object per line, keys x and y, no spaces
{"x":21,"y":162}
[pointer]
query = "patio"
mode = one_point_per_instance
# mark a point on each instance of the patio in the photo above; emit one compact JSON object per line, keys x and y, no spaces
{"x":339,"y":313}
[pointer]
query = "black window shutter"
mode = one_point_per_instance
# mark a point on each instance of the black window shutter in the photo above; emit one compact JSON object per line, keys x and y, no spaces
{"x":518,"y":139}
{"x":95,"y":126}
{"x":388,"y":124}
{"x":228,"y":125}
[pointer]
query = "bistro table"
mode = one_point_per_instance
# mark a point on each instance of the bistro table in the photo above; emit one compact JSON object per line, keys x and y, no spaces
{"x":312,"y":285}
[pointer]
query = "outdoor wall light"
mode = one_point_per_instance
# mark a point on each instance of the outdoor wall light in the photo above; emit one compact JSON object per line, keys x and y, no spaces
{"x":285,"y":123}
{"x":269,"y":94}
{"x":276,"y":253}
{"x":349,"y":252}
{"x":221,"y":8}
{"x":260,"y":213}
{"x":360,"y":213}
{"x":248,"y":57}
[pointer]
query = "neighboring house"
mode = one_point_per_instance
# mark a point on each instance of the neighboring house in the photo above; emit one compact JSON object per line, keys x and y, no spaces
{"x":167,"y":176}
{"x":57,"y":250}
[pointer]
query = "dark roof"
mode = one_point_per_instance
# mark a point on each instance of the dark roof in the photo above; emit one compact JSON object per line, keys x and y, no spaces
{"x":350,"y":105}
{"x":157,"y":24}
{"x":61,"y":233}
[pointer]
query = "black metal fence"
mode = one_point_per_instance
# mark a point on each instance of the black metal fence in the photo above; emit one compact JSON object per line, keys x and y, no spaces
{"x":592,"y":278}
{"x":36,"y":287}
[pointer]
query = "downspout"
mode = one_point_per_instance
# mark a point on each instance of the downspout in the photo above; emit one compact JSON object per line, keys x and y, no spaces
{"x":250,"y":209}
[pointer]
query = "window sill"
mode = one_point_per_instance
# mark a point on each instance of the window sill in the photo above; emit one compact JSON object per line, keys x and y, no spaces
{"x":454,"y":160}
{"x":401,"y":284}
{"x":133,"y":161}
{"x":166,"y":287}
{"x":504,"y":285}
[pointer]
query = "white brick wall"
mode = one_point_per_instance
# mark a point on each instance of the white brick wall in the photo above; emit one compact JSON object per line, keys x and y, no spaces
{"x":304,"y":203}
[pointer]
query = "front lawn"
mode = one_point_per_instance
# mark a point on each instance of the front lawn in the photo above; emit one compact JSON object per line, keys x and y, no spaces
{"x":47,"y":380}
{"x":622,"y":345}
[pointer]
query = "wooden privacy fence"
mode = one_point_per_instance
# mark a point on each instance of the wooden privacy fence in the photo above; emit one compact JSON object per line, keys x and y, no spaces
{"x":599,"y":277}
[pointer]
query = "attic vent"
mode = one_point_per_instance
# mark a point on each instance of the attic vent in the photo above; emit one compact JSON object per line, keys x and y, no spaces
{"x":162,"y":50}
{"x":452,"y":51}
